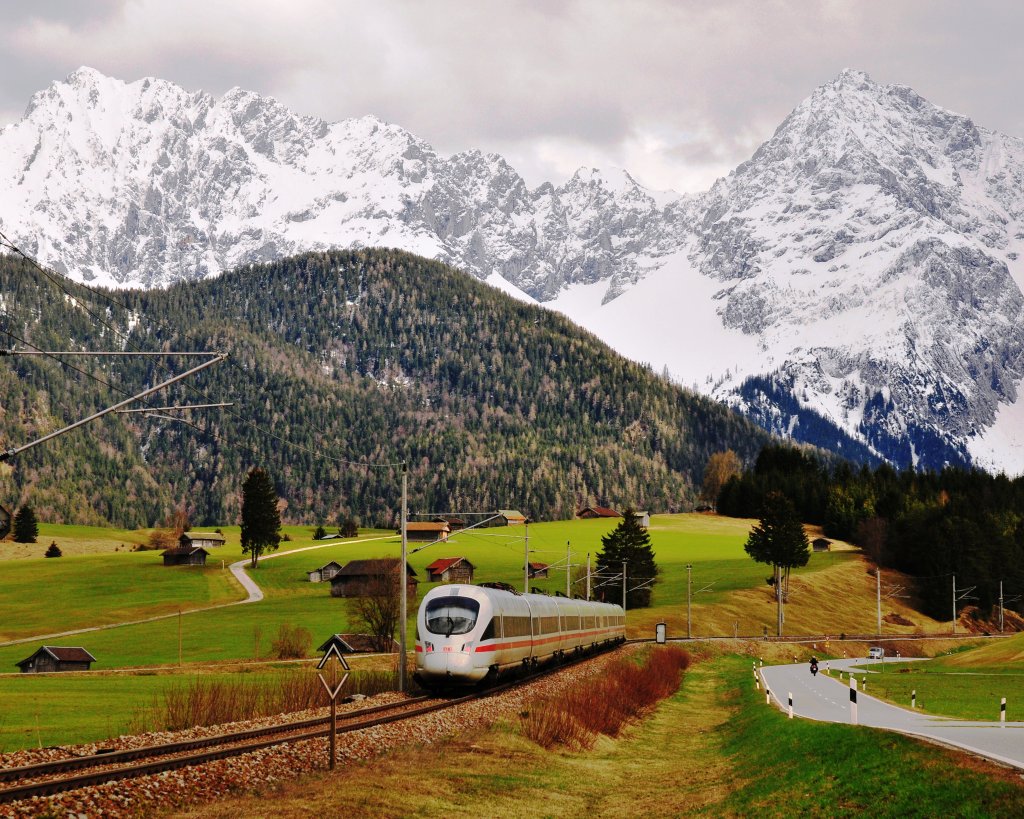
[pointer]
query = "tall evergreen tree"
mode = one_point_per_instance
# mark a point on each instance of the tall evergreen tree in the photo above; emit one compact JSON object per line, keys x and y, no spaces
{"x":261,"y":520}
{"x":628,"y":543}
{"x":779,"y":540}
{"x":26,"y":527}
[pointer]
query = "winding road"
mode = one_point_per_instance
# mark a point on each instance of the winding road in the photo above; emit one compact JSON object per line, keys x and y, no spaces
{"x":827,"y":699}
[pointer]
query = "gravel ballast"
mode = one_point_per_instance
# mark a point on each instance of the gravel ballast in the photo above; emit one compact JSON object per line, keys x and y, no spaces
{"x":207,"y":782}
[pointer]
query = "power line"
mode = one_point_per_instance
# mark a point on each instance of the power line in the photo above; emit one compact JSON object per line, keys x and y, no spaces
{"x":56,"y":280}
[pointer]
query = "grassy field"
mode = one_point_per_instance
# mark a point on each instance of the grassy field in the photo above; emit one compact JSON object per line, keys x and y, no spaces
{"x":713,"y":749}
{"x":966,"y":684}
{"x":103,"y":588}
{"x":39,"y":711}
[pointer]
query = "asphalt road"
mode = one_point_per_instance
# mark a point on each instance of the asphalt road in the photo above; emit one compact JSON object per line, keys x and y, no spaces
{"x":825,"y":698}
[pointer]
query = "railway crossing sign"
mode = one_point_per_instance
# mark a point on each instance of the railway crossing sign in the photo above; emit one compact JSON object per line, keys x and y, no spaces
{"x":332,"y":692}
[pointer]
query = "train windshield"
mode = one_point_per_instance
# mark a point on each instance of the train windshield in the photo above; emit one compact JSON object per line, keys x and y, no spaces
{"x":451,"y":615}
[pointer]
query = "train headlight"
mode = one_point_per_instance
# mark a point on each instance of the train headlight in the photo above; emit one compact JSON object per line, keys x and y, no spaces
{"x":468,"y":647}
{"x":430,"y":646}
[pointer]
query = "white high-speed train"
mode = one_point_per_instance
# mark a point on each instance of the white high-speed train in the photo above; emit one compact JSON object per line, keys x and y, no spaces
{"x":465,"y":633}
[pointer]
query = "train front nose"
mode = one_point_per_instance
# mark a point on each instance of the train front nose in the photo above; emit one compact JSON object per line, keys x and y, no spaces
{"x":447,"y":664}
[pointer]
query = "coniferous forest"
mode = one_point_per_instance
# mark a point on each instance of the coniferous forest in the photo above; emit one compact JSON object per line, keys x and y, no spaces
{"x":933,"y":525}
{"x":338,"y":360}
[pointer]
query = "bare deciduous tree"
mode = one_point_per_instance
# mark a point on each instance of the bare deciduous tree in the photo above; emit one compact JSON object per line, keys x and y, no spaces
{"x":375,"y":609}
{"x":720,"y":467}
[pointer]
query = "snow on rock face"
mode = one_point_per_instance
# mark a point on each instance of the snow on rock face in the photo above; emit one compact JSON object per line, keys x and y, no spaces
{"x":873,"y":230}
{"x":863,"y":265}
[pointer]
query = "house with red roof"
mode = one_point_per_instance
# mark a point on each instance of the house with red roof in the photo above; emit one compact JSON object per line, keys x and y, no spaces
{"x":450,"y":570}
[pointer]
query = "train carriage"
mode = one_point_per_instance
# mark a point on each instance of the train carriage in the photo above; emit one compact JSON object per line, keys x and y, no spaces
{"x":467,"y":633}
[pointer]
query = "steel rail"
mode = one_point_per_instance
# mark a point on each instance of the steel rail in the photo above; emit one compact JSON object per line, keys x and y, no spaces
{"x":237,"y":744}
{"x":76,"y":763}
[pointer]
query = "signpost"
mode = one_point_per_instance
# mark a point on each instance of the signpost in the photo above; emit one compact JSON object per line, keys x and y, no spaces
{"x":659,"y":632}
{"x":333,"y":689}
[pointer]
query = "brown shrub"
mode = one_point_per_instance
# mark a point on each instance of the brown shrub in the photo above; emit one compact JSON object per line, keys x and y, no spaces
{"x":292,"y":642}
{"x":604,"y":705}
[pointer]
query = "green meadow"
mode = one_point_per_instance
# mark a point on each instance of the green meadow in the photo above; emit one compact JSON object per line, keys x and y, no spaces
{"x":99,"y":589}
{"x":967,"y":684}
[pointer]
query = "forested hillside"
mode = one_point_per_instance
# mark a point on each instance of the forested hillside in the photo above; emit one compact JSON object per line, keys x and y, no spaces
{"x":958,"y":523}
{"x":337,"y":359}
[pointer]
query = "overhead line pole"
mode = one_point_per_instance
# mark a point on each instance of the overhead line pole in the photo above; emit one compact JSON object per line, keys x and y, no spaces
{"x":878,"y":595}
{"x":689,"y":592}
{"x":402,"y":580}
{"x":10,"y":453}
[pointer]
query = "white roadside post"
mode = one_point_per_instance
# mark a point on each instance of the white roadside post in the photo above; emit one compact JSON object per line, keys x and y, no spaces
{"x":791,"y":705}
{"x":913,"y":699}
{"x":1002,"y":713}
{"x":853,"y":700}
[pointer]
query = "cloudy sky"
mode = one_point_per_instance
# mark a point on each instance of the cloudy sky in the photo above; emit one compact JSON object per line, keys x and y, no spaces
{"x":676,"y":91}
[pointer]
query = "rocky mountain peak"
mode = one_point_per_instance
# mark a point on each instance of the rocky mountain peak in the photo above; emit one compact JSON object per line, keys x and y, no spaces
{"x":864,"y":264}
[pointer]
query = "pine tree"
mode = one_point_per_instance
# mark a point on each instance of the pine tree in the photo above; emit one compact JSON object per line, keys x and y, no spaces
{"x":261,"y":520}
{"x":779,"y":540}
{"x":26,"y":528}
{"x":628,"y":543}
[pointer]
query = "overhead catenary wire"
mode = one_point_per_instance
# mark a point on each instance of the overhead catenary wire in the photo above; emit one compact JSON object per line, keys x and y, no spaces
{"x":57,"y":280}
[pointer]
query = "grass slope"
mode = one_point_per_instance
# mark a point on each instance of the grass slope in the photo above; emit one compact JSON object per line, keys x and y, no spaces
{"x":713,"y":749}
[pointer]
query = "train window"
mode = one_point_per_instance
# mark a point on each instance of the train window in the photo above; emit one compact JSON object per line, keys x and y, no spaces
{"x":493,"y":630}
{"x":451,"y":615}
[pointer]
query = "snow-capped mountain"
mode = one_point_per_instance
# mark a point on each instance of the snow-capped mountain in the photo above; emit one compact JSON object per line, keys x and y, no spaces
{"x":856,"y":283}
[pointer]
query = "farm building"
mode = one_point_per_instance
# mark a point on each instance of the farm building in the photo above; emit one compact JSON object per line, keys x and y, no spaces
{"x":5,"y":521}
{"x":644,"y":518}
{"x":821,"y":544}
{"x":450,"y":570}
{"x":356,"y":644}
{"x":427,"y":530}
{"x":325,"y":572}
{"x":185,"y":556}
{"x":56,"y":658}
{"x":452,"y":521}
{"x":538,"y":570}
{"x":205,"y":540}
{"x":358,"y":577}
{"x":510,"y":517}
{"x":591,"y":512}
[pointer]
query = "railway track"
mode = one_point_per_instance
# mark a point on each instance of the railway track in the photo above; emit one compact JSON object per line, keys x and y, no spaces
{"x":58,"y":776}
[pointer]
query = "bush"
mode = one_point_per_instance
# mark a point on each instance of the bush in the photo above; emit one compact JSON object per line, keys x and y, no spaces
{"x":319,"y":533}
{"x":53,"y":550}
{"x":161,"y":539}
{"x":215,"y":702}
{"x":292,"y":642}
{"x":575,"y":717}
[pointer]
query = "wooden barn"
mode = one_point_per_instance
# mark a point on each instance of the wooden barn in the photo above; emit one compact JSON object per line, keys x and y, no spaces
{"x":185,"y":556}
{"x":357,"y":644}
{"x":510,"y":517}
{"x":538,"y":570}
{"x":204,"y":540}
{"x":644,"y":517}
{"x":821,"y":544}
{"x":591,"y":512}
{"x":325,"y":572}
{"x":450,"y":570}
{"x":57,"y":658}
{"x":427,"y":530}
{"x":358,"y":577}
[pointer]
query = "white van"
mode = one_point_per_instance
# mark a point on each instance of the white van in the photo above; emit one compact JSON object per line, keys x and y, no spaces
{"x":876,"y":653}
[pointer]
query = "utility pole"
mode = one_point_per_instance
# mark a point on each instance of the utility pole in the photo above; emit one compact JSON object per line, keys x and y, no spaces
{"x":878,"y":595}
{"x":778,"y":596}
{"x":1000,"y":606}
{"x":179,"y":637}
{"x":689,"y":587}
{"x":623,"y":585}
{"x":402,"y":580}
{"x":526,"y":556}
{"x":568,"y":570}
{"x":954,"y":604}
{"x":588,"y":577}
